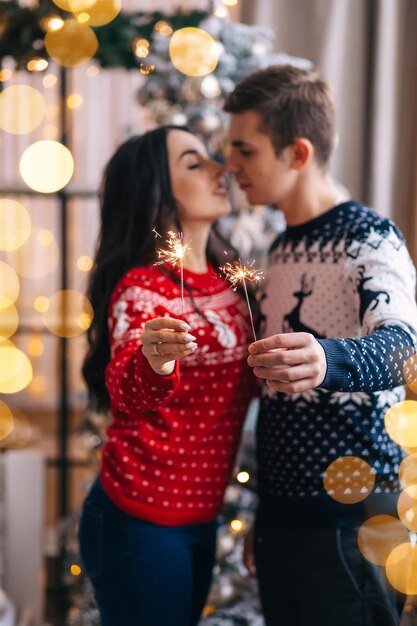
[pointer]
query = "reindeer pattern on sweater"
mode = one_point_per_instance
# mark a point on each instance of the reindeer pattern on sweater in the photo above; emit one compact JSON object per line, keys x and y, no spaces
{"x":345,"y":277}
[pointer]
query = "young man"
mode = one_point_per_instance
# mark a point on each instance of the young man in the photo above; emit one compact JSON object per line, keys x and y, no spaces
{"x":340,"y":326}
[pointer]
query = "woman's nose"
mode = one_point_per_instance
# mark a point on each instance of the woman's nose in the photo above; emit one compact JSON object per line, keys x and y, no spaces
{"x":218,"y":169}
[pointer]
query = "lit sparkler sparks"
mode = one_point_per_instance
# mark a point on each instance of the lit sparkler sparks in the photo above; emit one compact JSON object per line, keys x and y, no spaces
{"x":174,"y":254}
{"x":236,"y":273}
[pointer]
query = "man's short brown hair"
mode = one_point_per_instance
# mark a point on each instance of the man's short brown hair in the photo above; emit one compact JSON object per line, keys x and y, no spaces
{"x":292,"y":103}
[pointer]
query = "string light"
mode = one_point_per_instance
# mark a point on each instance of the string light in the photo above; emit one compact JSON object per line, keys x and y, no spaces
{"x":237,"y":526}
{"x":53,"y":22}
{"x":37,"y":65}
{"x":141,"y":47}
{"x":242,"y":477}
{"x":163,"y":28}
{"x":146,"y":69}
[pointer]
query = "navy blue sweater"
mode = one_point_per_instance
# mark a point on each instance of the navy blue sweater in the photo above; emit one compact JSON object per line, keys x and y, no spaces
{"x":347,"y":278}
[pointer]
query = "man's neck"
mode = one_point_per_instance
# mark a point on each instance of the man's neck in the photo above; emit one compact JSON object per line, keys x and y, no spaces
{"x":311,"y":198}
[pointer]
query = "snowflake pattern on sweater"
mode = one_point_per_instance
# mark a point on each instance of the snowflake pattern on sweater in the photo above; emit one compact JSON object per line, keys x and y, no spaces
{"x":347,"y":278}
{"x":173,"y":439}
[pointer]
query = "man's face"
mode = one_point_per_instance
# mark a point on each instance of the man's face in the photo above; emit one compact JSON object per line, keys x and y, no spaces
{"x":265,"y":177}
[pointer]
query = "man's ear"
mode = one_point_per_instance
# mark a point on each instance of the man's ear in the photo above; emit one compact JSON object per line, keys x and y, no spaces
{"x":302,"y":152}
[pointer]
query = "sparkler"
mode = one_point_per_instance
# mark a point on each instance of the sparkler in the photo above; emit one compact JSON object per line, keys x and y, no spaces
{"x":236,"y":273}
{"x":174,"y":254}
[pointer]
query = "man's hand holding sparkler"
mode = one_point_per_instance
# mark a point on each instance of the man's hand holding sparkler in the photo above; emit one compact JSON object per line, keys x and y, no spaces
{"x":289,"y":362}
{"x":166,"y":340}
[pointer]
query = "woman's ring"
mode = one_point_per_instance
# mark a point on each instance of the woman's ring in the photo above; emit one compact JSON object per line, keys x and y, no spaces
{"x":156,"y":348}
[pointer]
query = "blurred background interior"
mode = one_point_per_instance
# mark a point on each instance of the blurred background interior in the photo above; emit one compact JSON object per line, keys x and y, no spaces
{"x":77,"y":77}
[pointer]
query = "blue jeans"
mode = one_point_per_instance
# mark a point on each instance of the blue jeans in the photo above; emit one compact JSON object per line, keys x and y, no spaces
{"x":318,"y":577}
{"x":144,"y":574}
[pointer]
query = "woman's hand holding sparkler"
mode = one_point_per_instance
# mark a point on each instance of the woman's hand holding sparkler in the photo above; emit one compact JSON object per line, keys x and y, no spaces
{"x":164,"y":341}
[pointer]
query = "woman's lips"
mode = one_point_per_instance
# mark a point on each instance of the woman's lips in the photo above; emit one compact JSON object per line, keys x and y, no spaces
{"x":220,"y":191}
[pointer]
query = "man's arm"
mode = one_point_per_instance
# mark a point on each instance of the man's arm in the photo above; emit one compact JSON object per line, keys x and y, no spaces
{"x":295,"y":362}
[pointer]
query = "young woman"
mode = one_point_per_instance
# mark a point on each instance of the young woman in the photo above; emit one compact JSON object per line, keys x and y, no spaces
{"x":174,"y":376}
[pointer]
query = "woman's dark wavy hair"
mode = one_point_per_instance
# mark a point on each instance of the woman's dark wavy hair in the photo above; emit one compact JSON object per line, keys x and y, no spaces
{"x":136,"y":197}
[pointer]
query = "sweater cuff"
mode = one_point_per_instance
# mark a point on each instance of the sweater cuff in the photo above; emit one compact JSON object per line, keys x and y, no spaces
{"x":336,"y":375}
{"x":152,"y":379}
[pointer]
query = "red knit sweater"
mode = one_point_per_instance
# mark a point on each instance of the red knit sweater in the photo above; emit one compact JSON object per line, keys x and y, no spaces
{"x":173,"y":439}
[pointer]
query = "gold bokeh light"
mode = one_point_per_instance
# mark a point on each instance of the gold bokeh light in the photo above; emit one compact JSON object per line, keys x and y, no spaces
{"x":22,"y":109}
{"x":379,"y":535}
{"x":83,"y":17}
{"x":75,"y":569}
{"x":71,"y":45}
{"x":50,"y":132}
{"x":6,"y":420}
{"x":85,"y":263}
{"x":77,"y":6}
{"x":41,"y":304}
{"x":193,"y":51}
{"x":49,"y":81}
{"x":407,"y":507}
{"x":38,"y":385}
{"x":46,"y":166}
{"x":349,"y":479}
{"x":408,"y":471}
{"x":15,"y":224}
{"x":401,"y":568}
{"x":74,"y":101}
{"x":9,"y":285}
{"x":15,"y":369}
{"x":63,"y":4}
{"x":401,"y":423}
{"x":35,"y":346}
{"x":22,"y":432}
{"x":38,"y":256}
{"x":69,"y":313}
{"x":92,"y":71}
{"x":5,"y":75}
{"x":9,"y":321}
{"x":99,"y":13}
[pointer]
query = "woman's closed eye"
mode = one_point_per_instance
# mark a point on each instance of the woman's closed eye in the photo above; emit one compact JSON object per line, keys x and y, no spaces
{"x":193,"y":166}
